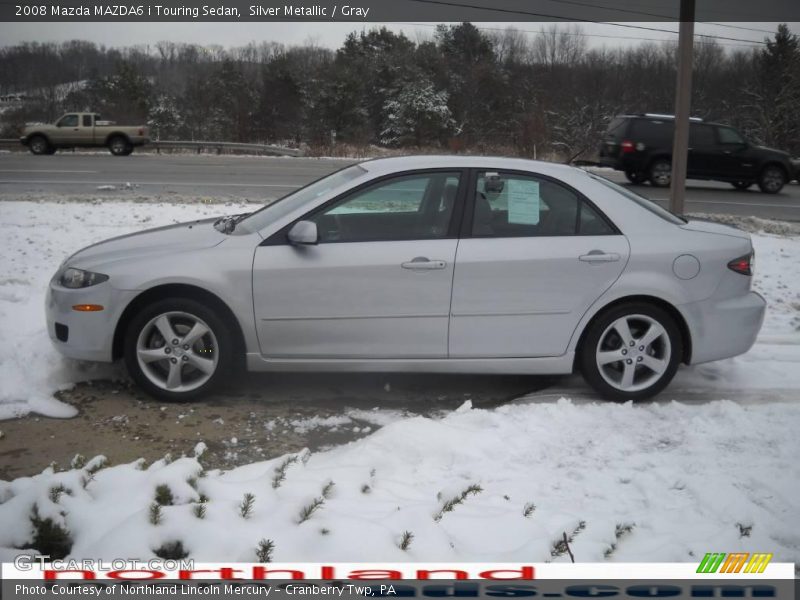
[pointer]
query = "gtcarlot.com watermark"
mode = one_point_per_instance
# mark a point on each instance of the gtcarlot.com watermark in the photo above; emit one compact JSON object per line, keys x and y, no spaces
{"x":28,"y":563}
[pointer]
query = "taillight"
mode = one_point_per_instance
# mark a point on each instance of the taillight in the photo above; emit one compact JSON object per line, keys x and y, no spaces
{"x":744,"y":264}
{"x":627,"y":146}
{"x":141,"y":131}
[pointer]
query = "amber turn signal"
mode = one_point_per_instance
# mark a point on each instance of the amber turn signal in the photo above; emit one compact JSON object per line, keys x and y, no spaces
{"x":87,"y":307}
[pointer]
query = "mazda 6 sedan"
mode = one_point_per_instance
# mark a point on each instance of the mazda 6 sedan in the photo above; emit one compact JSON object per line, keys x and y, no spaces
{"x":446,"y":264}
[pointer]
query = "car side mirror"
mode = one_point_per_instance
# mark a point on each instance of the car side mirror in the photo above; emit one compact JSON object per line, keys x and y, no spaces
{"x":304,"y":233}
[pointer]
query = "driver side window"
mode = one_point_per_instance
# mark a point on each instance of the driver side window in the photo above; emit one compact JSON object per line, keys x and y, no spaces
{"x":409,"y":207}
{"x":68,"y":121}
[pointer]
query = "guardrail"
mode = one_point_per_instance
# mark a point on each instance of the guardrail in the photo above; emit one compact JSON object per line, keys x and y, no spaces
{"x":158,"y":145}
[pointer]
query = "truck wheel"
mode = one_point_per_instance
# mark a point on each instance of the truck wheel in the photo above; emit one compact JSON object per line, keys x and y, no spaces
{"x":772,"y":179}
{"x":38,"y":145}
{"x":119,"y":146}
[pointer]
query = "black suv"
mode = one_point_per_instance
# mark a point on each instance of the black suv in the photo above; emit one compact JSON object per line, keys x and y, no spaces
{"x":641,"y":146}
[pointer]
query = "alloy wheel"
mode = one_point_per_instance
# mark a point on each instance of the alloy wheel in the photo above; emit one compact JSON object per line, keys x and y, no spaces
{"x":177,"y":351}
{"x":633,"y":353}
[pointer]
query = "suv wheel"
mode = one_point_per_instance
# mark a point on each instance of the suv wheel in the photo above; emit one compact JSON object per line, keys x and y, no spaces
{"x":636,"y":177}
{"x":660,"y":173}
{"x":741,"y":185}
{"x":772,"y":179}
{"x":631,"y":352}
{"x":178,"y":349}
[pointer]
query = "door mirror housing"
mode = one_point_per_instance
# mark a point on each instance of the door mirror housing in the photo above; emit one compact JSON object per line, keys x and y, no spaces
{"x":304,"y":233}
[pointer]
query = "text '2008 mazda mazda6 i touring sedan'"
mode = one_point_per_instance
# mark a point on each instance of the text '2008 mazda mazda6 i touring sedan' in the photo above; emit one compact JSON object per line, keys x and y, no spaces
{"x":418,"y":264}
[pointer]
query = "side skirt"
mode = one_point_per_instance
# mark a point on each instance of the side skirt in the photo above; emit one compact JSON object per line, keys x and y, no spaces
{"x":550,"y":365}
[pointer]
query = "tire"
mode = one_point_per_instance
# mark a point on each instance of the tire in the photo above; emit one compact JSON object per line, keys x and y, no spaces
{"x":179,"y":375}
{"x":653,"y":363}
{"x":741,"y":185}
{"x":772,"y":179}
{"x":660,"y":172}
{"x":39,"y":145}
{"x":636,"y":177}
{"x":119,"y":146}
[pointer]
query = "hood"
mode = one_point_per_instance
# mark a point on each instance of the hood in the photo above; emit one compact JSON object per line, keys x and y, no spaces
{"x":718,"y":228}
{"x":192,"y":235}
{"x":775,"y":151}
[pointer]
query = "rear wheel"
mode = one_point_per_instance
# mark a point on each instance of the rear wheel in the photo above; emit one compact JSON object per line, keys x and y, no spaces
{"x":631,"y":352}
{"x":660,"y":173}
{"x":178,"y":349}
{"x":636,"y":177}
{"x":119,"y":146}
{"x":39,"y":145}
{"x":741,"y":185}
{"x":772,"y":179}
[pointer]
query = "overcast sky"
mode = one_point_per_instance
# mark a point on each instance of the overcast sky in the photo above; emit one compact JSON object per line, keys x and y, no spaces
{"x":332,"y":34}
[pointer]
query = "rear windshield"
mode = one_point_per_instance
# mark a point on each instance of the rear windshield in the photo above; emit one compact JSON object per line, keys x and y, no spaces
{"x":641,"y":200}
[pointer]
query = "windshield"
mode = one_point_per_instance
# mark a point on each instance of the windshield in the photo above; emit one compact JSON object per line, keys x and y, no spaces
{"x":283,"y":206}
{"x":641,"y":200}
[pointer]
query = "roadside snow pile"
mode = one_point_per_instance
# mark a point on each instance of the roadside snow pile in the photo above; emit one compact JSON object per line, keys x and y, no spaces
{"x":655,"y":482}
{"x":37,"y":237}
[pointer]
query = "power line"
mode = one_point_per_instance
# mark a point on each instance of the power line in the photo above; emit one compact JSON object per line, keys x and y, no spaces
{"x":581,"y":34}
{"x":573,"y":19}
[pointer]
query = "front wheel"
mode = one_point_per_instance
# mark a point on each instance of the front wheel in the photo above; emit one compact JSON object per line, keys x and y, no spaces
{"x":178,"y":349}
{"x":631,"y":352}
{"x":772,"y":179}
{"x":660,"y":173}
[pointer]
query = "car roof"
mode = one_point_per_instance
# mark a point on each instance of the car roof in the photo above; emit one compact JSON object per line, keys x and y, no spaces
{"x":457,"y":161}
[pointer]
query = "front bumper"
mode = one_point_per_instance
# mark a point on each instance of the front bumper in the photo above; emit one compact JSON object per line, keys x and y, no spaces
{"x":84,"y":335}
{"x":724,"y":328}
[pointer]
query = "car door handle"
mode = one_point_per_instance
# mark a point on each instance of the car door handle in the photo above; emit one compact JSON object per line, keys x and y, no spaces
{"x":422,"y":263}
{"x":598,"y":256}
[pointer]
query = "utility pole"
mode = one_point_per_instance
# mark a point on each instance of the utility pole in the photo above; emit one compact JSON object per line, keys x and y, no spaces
{"x":683,"y":102}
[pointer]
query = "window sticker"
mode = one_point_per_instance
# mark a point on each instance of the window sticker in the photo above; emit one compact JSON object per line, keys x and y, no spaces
{"x":523,"y":202}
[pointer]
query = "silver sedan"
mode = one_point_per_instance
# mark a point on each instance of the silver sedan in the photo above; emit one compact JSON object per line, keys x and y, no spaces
{"x":420,"y":264}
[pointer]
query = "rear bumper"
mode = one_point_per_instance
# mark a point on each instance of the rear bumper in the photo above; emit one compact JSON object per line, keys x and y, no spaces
{"x":724,"y":328}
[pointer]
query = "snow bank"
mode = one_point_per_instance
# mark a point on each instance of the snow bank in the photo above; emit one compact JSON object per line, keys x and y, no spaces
{"x":37,"y":237}
{"x":655,"y":482}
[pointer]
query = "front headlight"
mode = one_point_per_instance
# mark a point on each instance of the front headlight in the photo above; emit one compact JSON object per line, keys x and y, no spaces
{"x":77,"y":278}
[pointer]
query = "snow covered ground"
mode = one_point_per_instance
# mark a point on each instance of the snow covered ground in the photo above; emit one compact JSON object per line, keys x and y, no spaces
{"x":660,"y":481}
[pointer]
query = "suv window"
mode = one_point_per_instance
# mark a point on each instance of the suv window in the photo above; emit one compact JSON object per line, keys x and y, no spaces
{"x":408,"y":207}
{"x":728,"y":135}
{"x":511,"y":205}
{"x":68,"y":121}
{"x":701,"y":136}
{"x":653,"y":131}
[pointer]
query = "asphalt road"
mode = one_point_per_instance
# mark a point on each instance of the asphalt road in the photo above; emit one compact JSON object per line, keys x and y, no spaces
{"x":261,"y":178}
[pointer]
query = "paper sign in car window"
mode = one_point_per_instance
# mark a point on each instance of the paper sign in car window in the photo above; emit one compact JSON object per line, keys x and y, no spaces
{"x":523,"y":202}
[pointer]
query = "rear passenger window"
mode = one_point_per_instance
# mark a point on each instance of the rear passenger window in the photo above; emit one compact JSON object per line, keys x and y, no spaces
{"x":510,"y":205}
{"x":87,"y":120}
{"x":701,"y":136}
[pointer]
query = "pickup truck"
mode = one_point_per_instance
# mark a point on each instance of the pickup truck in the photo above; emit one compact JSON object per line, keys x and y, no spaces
{"x":84,"y":130}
